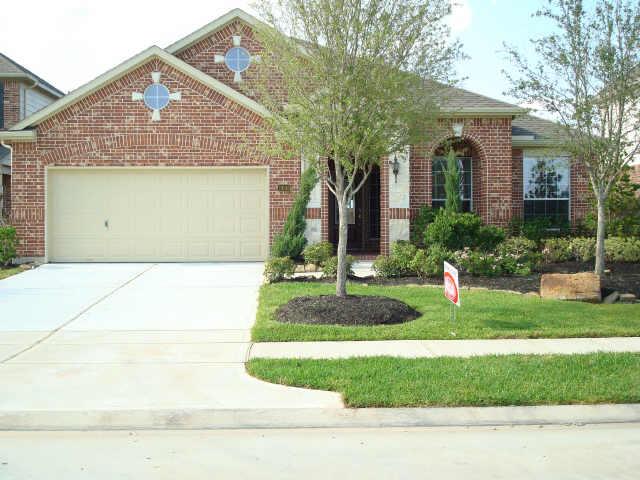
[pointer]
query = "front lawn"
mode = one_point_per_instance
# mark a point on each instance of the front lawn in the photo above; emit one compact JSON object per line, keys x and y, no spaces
{"x":484,"y":314}
{"x":456,"y":382}
{"x":7,"y":272}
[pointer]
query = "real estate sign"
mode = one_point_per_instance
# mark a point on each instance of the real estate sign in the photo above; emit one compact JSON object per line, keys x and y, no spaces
{"x":451,"y":286}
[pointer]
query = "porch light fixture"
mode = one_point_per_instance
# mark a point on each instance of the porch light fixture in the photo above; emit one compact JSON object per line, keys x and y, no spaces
{"x":395,"y":167}
{"x":458,"y":127}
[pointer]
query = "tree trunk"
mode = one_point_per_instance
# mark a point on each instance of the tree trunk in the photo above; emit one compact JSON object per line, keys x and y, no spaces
{"x":599,"y":268}
{"x":343,"y":233}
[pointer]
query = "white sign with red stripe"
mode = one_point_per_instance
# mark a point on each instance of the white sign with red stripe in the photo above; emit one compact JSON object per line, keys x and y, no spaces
{"x":451,"y":286}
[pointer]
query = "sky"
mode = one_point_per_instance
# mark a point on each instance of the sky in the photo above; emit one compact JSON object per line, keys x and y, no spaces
{"x":70,"y":42}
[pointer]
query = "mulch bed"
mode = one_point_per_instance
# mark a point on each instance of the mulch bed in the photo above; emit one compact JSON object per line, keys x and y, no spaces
{"x":623,"y":277}
{"x":349,"y":310}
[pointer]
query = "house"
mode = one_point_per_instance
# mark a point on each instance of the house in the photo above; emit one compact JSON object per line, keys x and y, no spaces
{"x":21,"y":94}
{"x":148,"y":162}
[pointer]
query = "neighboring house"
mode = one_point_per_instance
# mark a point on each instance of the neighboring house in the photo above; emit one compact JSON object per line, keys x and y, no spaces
{"x":21,"y":94}
{"x":148,"y":162}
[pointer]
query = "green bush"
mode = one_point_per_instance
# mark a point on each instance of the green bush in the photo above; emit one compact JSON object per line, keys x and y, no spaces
{"x":519,"y":254}
{"x":291,"y":241}
{"x":425,"y":216}
{"x":489,"y":237}
{"x":479,"y":263}
{"x":318,"y":253}
{"x":430,"y":262}
{"x":583,"y":248}
{"x":618,"y":249}
{"x":557,"y":250}
{"x":278,"y":268}
{"x":8,"y":244}
{"x":398,"y":262}
{"x":538,"y":228}
{"x":453,"y":231}
{"x":330,"y":266}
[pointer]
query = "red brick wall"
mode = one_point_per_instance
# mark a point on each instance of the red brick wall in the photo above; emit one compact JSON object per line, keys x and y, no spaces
{"x":11,"y":103}
{"x":492,"y":168}
{"x":581,"y":193}
{"x":6,"y":196}
{"x":109,"y":129}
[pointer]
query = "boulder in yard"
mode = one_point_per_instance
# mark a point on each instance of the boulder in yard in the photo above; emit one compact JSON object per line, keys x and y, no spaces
{"x":627,"y":298}
{"x":571,"y":286}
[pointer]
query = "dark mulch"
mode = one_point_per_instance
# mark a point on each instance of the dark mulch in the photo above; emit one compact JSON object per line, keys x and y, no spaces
{"x":623,"y":277}
{"x":350,"y":310}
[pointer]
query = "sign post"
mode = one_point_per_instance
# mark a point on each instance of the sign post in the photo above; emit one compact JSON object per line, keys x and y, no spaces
{"x":451,"y":288}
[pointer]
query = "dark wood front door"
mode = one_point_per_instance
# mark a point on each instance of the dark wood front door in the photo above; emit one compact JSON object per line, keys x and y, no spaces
{"x":363,"y":217}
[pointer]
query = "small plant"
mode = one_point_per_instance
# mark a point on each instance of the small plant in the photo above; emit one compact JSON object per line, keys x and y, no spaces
{"x":425,"y":216}
{"x":291,"y":241}
{"x":520,"y":249}
{"x":318,"y":253}
{"x":480,"y":263}
{"x":583,"y":248}
{"x":489,"y":237}
{"x":453,"y":202}
{"x":8,"y":244}
{"x":619,"y":249}
{"x":453,"y":231}
{"x":278,"y":268}
{"x":557,"y":250}
{"x":330,"y":266}
{"x":399,"y":261}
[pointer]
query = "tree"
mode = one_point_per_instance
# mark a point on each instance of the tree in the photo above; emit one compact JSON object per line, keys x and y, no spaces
{"x":357,"y":80}
{"x":587,"y":77}
{"x":452,"y":183}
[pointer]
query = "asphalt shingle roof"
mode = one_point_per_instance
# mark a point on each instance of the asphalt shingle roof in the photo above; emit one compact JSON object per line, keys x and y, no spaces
{"x":9,"y":66}
{"x":539,"y":128}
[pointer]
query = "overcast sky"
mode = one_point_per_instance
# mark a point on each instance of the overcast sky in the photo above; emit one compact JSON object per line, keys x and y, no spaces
{"x":70,"y":42}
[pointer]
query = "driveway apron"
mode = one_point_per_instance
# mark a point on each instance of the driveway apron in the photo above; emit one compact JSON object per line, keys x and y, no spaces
{"x":135,"y":336}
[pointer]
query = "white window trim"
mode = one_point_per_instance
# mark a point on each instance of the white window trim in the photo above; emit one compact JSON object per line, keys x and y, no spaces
{"x":536,"y":155}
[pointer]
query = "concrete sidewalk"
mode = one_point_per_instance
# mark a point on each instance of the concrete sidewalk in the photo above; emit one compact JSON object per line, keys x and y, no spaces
{"x":442,"y":348}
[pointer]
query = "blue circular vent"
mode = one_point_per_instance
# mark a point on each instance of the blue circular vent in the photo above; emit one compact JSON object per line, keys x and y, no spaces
{"x":156,"y":96}
{"x":237,"y":59}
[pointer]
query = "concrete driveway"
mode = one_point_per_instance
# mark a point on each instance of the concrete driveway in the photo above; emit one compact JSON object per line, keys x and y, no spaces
{"x":135,"y":336}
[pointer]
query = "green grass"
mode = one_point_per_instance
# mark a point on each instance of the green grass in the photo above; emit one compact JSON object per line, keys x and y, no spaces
{"x":478,"y":381}
{"x":484,"y":314}
{"x":7,"y":272}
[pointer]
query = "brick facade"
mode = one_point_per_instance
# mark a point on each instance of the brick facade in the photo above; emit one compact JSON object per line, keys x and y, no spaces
{"x":11,"y":103}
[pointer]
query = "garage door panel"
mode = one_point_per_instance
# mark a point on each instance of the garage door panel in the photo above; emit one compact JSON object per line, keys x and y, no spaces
{"x":156,"y":215}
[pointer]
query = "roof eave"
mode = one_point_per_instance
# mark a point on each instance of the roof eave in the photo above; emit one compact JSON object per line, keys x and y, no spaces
{"x":36,"y":82}
{"x":485,"y":112}
{"x":521,"y":141}
{"x":18,"y":136}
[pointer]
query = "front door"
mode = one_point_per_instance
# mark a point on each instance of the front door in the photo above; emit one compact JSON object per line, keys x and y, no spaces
{"x":363,"y":216}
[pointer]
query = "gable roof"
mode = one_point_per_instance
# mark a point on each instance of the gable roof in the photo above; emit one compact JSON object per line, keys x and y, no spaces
{"x":12,"y":69}
{"x":463,"y":102}
{"x":211,"y":28}
{"x":128,"y":66}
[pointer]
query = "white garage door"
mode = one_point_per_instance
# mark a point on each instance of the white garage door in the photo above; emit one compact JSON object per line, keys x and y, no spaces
{"x":101,"y":215}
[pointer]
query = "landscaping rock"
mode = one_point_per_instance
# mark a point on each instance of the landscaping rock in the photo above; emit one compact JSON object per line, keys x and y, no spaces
{"x":310,"y":267}
{"x":300,"y":269}
{"x":577,"y":286}
{"x":611,"y":298}
{"x":627,"y":298}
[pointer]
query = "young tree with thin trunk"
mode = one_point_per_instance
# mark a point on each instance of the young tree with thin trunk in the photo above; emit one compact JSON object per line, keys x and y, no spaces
{"x":356,"y":81}
{"x":452,"y":190}
{"x":587,"y":76}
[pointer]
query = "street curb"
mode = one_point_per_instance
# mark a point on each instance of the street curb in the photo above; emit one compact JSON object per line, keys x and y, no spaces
{"x":205,"y":419}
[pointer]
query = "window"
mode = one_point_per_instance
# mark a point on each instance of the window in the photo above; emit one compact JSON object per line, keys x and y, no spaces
{"x":438,"y":195}
{"x":156,"y":96}
{"x":237,"y":59}
{"x":546,"y":188}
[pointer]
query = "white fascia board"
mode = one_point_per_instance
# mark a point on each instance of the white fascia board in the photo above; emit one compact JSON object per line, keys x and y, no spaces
{"x":18,"y":136}
{"x":211,"y":28}
{"x":130,"y":65}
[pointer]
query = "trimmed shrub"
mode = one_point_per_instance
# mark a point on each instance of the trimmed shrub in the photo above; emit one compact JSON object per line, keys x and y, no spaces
{"x":520,"y":250}
{"x":8,"y":244}
{"x":278,"y":268}
{"x":291,"y":241}
{"x":399,"y":261}
{"x":618,"y":249}
{"x":430,"y":262}
{"x":453,"y":231}
{"x":425,"y":216}
{"x":583,"y":248}
{"x":330,"y":266}
{"x":489,"y":237}
{"x":479,"y":263}
{"x":318,"y":253}
{"x":557,"y":250}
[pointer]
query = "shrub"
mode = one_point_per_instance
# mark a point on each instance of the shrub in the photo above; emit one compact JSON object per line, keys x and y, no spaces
{"x":453,"y":203}
{"x":536,"y":229}
{"x":399,"y":261}
{"x":557,"y":250}
{"x":278,"y":268}
{"x":583,"y":248}
{"x":8,"y":244}
{"x":619,"y":249}
{"x":489,"y":237}
{"x":430,"y":262}
{"x":291,"y":241}
{"x":453,"y":231}
{"x":520,"y":249}
{"x":425,"y":216}
{"x":318,"y":253}
{"x":479,"y":263}
{"x":330,"y":266}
